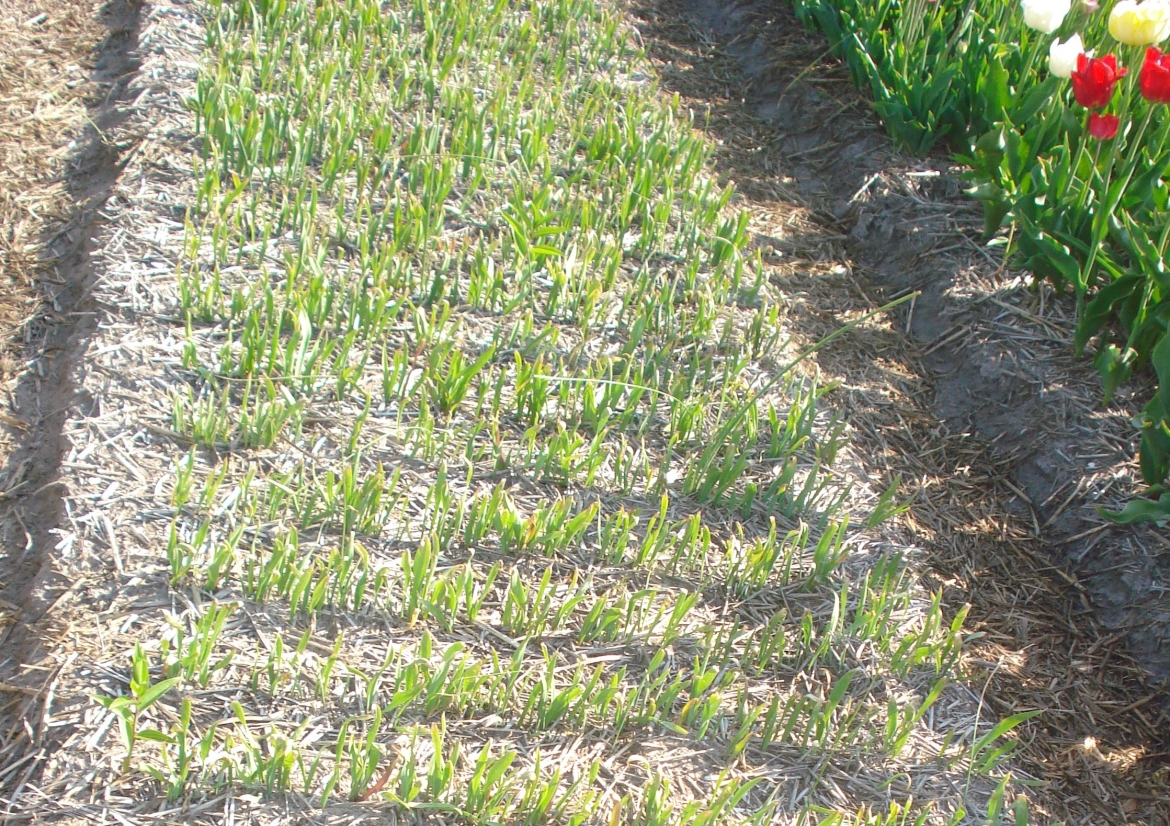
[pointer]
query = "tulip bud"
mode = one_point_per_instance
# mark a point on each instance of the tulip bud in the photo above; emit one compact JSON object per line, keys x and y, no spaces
{"x":1154,"y":79}
{"x":1103,"y":127}
{"x":1062,"y":57}
{"x":1045,"y":15}
{"x":1140,"y":24}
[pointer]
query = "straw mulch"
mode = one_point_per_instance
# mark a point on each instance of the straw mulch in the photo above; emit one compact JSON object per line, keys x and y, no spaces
{"x":47,"y":51}
{"x":49,"y":84}
{"x":64,"y":67}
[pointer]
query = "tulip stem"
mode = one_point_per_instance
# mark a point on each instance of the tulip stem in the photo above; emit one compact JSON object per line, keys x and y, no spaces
{"x":1137,"y":325}
{"x":1165,"y":237}
{"x":1030,"y":59}
{"x":1111,"y":196}
{"x":1083,"y":197}
{"x":1163,"y":130}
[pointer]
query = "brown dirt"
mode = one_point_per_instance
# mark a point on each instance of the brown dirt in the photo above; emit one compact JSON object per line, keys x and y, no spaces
{"x":64,"y":69}
{"x":973,"y":399}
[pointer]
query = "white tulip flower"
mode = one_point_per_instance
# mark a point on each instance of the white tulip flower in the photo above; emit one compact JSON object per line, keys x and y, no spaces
{"x":1046,"y":15}
{"x":1062,"y":57}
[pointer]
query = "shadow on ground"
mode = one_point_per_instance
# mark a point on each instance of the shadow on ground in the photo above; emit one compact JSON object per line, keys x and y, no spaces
{"x":45,"y":396}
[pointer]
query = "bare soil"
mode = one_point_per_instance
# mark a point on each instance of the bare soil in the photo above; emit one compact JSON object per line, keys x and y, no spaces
{"x":974,"y":400}
{"x":65,"y":70}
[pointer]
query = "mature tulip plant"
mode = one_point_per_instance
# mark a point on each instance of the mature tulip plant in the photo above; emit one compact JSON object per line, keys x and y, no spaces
{"x":1109,"y":231}
{"x":1068,"y":154}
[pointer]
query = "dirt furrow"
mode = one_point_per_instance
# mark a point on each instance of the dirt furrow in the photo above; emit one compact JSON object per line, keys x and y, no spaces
{"x":43,"y":394}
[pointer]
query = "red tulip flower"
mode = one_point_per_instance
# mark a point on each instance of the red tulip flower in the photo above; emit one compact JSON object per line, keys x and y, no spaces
{"x":1103,"y":127}
{"x":1095,"y":79}
{"x":1154,"y":79}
